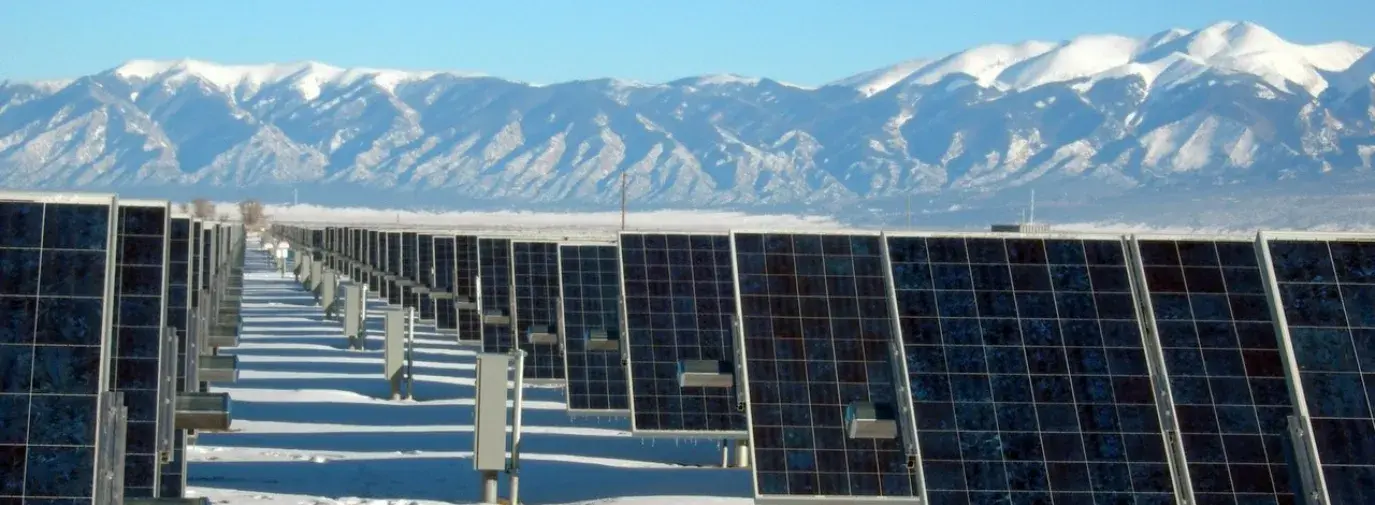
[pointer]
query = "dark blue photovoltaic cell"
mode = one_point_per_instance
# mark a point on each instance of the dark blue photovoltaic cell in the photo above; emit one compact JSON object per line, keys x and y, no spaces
{"x":534,"y":271}
{"x":1327,"y":291}
{"x":494,"y":270}
{"x":141,"y":237}
{"x":52,"y":288}
{"x":679,"y":299}
{"x":818,"y":334}
{"x":590,"y":285}
{"x":1223,"y":362}
{"x":1028,"y":372}
{"x":465,"y":287}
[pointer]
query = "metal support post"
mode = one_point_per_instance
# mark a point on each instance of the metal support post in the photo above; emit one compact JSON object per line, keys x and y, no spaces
{"x":410,"y":354}
{"x":742,"y":453}
{"x":489,"y":486}
{"x":513,"y":471}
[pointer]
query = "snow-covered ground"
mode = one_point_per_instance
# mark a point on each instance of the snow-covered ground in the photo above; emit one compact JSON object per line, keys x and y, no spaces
{"x":312,"y":425}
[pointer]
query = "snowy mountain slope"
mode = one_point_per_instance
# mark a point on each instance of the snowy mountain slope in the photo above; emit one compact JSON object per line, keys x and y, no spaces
{"x":1231,"y":103}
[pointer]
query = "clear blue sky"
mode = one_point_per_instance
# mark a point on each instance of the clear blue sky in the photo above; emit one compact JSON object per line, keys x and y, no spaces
{"x":802,"y":41}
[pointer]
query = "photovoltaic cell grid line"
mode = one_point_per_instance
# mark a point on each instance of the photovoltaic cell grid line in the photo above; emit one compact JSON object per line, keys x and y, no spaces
{"x":55,"y":266}
{"x":818,"y":336}
{"x":140,"y":284}
{"x":173,"y":480}
{"x":679,"y":297}
{"x":1327,"y":292}
{"x":465,"y":287}
{"x":446,"y":316}
{"x":590,"y":285}
{"x":1226,"y":377}
{"x":535,"y":278}
{"x":1028,"y":372}
{"x":494,"y":268}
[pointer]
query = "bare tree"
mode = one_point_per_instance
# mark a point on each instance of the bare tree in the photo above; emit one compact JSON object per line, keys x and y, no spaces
{"x":184,"y":208}
{"x":251,"y":212}
{"x":202,"y":208}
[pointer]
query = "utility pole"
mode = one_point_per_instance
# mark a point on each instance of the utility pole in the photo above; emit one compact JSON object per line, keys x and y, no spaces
{"x":623,"y":184}
{"x":909,"y":211}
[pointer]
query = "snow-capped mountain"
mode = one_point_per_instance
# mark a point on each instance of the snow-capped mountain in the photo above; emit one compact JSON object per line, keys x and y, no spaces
{"x":1227,"y":104}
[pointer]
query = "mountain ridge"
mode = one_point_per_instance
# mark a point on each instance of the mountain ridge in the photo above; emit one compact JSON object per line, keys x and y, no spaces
{"x":1226,"y":104}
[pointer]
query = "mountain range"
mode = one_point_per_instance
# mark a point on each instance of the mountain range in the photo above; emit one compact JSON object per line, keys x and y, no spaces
{"x":1225,"y":106}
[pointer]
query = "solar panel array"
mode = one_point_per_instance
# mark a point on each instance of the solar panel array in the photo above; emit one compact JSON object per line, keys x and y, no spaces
{"x":55,"y":290}
{"x":986,"y":368}
{"x":1028,"y":372}
{"x":140,"y":285}
{"x":818,"y":334}
{"x":679,"y":300}
{"x":1211,"y":318}
{"x":1326,"y":289}
{"x":494,"y":271}
{"x":173,"y":479}
{"x":590,"y":281}
{"x":469,"y":322}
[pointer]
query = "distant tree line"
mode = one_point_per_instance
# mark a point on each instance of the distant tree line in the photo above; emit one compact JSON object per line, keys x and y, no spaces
{"x":251,"y":212}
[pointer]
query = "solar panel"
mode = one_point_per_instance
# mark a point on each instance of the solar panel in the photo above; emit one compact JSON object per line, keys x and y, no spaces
{"x":135,"y":370}
{"x":818,"y":338}
{"x":173,"y":479}
{"x":535,"y":312}
{"x":679,"y":298}
{"x":1211,"y":318}
{"x":424,"y":274}
{"x":494,"y":277}
{"x":465,"y":288}
{"x":1028,"y":371}
{"x":197,"y":266}
{"x":394,"y":257}
{"x":375,"y":261}
{"x":410,"y":257}
{"x":445,"y":312}
{"x":1326,"y":290}
{"x":55,"y":295}
{"x":590,"y":291}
